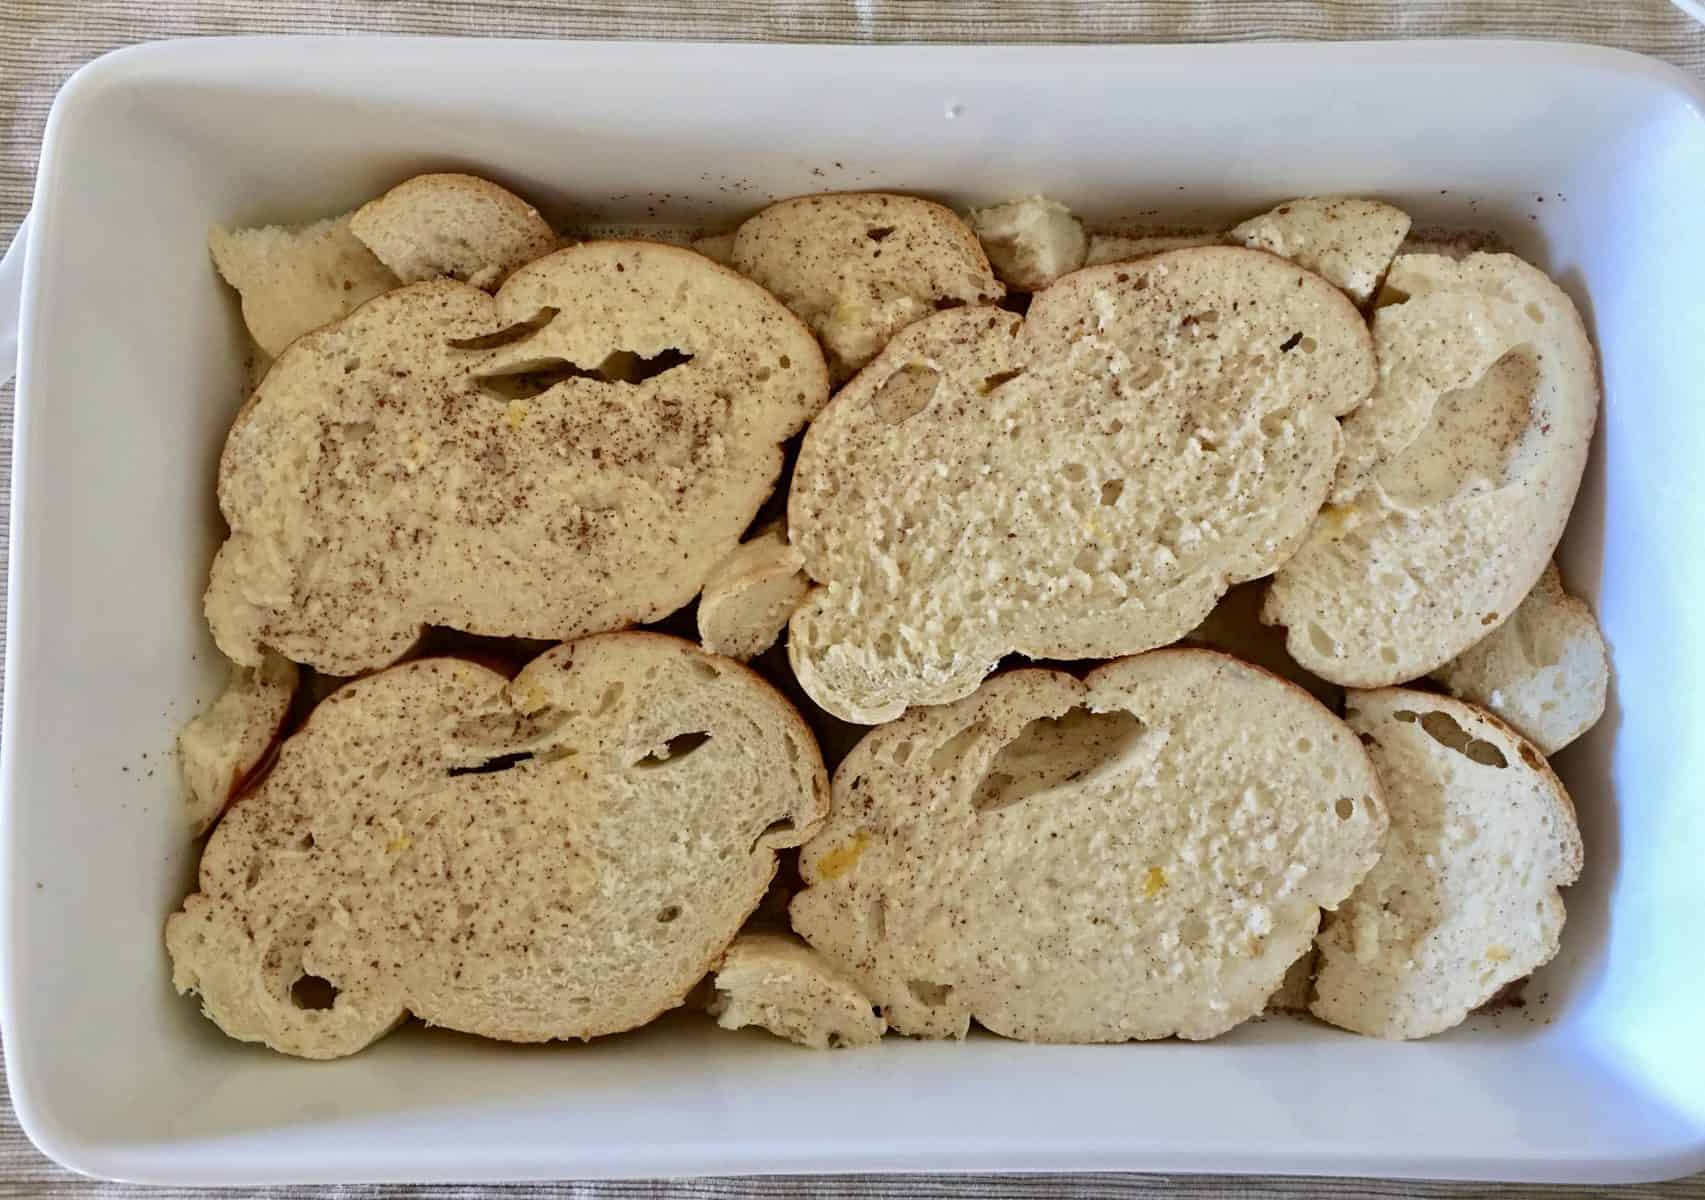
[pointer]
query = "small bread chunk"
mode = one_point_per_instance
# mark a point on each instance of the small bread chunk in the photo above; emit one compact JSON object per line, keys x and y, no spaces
{"x":296,"y":279}
{"x":1118,"y":247}
{"x":459,"y":226}
{"x":1030,"y":242}
{"x":777,"y":982}
{"x":1488,"y":376}
{"x":571,"y":456}
{"x":860,"y":266}
{"x":718,"y":247}
{"x":750,"y":595}
{"x":1082,"y":482}
{"x":1235,"y":627}
{"x":561,"y":856}
{"x":1139,"y":854}
{"x":1349,"y":241}
{"x":220,"y":750}
{"x":1545,"y":671}
{"x":1464,"y":899}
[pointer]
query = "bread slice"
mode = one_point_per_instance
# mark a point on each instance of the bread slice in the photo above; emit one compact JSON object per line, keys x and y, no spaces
{"x":293,"y":279}
{"x":1453,"y":525}
{"x":1349,"y":241}
{"x":1139,"y":854}
{"x":221,"y":750}
{"x":1082,"y":482}
{"x":561,"y":856}
{"x":572,"y":456}
{"x":1545,"y":671}
{"x":860,"y":266}
{"x":1235,"y":627}
{"x":1119,"y":247}
{"x":1464,"y":898}
{"x":718,"y":247}
{"x":777,"y":982}
{"x":750,"y":595}
{"x":1030,"y":242}
{"x":453,"y":225}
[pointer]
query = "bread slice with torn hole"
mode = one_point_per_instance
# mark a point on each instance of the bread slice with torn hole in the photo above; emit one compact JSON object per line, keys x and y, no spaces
{"x":221,"y":750}
{"x":1139,"y":854}
{"x":1350,"y":241}
{"x":1118,"y":247}
{"x":1082,"y":482}
{"x":750,"y":595}
{"x":1453,"y":524}
{"x":1545,"y":671}
{"x":1235,"y":627}
{"x":293,"y":279}
{"x":1030,"y":242}
{"x":561,"y":856}
{"x":778,"y":983}
{"x":460,"y":226}
{"x":570,"y":456}
{"x":860,"y":266}
{"x":1464,"y":898}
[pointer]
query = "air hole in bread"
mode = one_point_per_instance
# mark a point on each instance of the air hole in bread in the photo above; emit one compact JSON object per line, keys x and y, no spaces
{"x":1345,"y":808}
{"x":351,"y":366}
{"x":1323,"y":643}
{"x":991,"y":382}
{"x":877,"y":233}
{"x":1389,"y":295}
{"x":934,"y":995}
{"x":1535,"y":313}
{"x":1443,"y":729}
{"x":312,"y":993}
{"x":1304,"y":745}
{"x":1529,"y":755}
{"x":518,"y":332}
{"x":1489,"y":618}
{"x":491,"y":766}
{"x":1051,"y":752}
{"x":1111,"y":491}
{"x":256,"y":866}
{"x":305,"y":842}
{"x":668,"y":913}
{"x":537,"y":376}
{"x":674,"y":750}
{"x":1074,"y":472}
{"x":906,"y":393}
{"x":1308,"y":345}
{"x":774,"y":829}
{"x":608,"y":701}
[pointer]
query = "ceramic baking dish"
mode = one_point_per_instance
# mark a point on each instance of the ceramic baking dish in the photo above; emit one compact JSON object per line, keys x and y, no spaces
{"x":1591,"y":162}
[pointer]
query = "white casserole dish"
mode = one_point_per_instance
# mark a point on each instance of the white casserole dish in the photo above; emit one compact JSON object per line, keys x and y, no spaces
{"x":1591,"y":162}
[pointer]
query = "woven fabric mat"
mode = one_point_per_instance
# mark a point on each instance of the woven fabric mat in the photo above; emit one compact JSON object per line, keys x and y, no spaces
{"x":43,"y":41}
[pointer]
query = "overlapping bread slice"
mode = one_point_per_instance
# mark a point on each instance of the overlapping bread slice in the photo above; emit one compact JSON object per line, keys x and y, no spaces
{"x":570,"y":456}
{"x":1350,"y":241}
{"x":1139,"y":854}
{"x":1464,"y":898}
{"x":560,"y":856}
{"x":778,"y":983}
{"x":221,"y":750}
{"x":459,"y":226}
{"x":1030,"y":242}
{"x":750,"y":595}
{"x":1546,"y":670}
{"x":1082,"y":482}
{"x":1458,"y":475}
{"x":860,"y":266}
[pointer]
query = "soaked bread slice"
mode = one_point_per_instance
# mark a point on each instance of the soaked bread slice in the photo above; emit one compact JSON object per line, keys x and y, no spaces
{"x":778,"y":983}
{"x":459,"y":226}
{"x":221,"y":749}
{"x":748,"y":598}
{"x":1350,"y":241}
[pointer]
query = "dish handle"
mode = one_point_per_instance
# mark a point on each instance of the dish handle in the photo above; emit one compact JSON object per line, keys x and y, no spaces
{"x":11,"y":296}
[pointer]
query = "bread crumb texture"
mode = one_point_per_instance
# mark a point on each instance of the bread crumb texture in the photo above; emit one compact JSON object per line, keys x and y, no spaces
{"x":1546,"y":670}
{"x":1458,"y":475}
{"x":1082,"y":482}
{"x":560,"y":856}
{"x":222,"y":748}
{"x":778,"y":983}
{"x":1464,"y":898}
{"x":570,"y":456}
{"x":860,"y":266}
{"x":456,"y":226}
{"x":1139,"y":854}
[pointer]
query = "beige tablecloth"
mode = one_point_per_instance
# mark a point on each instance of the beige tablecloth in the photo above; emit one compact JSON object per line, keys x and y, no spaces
{"x":42,"y":41}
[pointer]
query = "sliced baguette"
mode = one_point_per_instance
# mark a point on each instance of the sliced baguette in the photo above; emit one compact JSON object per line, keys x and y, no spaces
{"x":860,"y":266}
{"x":1545,"y":671}
{"x":1453,"y":526}
{"x":220,"y":751}
{"x":1118,"y":247}
{"x":750,"y":595}
{"x":561,"y":856}
{"x":777,"y":982}
{"x":1464,"y":899}
{"x":1235,"y":627}
{"x":293,"y":279}
{"x":460,"y":226}
{"x":1082,"y":482}
{"x":573,"y":455}
{"x":1349,"y":241}
{"x":1139,"y":854}
{"x":1030,"y":242}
